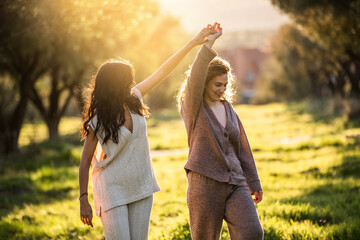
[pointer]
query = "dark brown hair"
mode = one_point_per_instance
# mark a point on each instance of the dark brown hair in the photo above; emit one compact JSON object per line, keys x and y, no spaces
{"x":109,"y":92}
{"x":217,"y":67}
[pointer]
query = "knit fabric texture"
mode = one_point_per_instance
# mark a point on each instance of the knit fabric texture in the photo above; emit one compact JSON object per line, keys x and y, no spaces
{"x":208,"y":150}
{"x":126,"y":174}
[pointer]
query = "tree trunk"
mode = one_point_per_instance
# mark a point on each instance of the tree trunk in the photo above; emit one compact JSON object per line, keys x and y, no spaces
{"x":53,"y":128}
{"x":340,"y":83}
{"x":331,"y":81}
{"x":9,"y":142}
{"x":315,"y":85}
{"x":336,"y":82}
{"x":352,"y":71}
{"x":55,"y":111}
{"x":354,"y":81}
{"x":11,"y":126}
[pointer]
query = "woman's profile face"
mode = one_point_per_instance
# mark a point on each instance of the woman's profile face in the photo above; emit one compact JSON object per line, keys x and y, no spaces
{"x":216,"y":87}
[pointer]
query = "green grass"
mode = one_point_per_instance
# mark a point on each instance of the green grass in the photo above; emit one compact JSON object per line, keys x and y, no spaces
{"x":166,"y":131}
{"x":308,"y":162}
{"x":37,"y":132}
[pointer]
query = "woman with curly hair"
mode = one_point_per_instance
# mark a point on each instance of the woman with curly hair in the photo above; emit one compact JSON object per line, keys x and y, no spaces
{"x":220,"y":169}
{"x":123,"y":178}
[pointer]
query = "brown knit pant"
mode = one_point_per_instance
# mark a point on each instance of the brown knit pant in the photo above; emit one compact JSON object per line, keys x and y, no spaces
{"x":210,"y":202}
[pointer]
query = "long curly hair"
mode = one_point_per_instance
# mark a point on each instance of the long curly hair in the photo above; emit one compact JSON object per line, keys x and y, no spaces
{"x":217,"y":67}
{"x":109,"y":92}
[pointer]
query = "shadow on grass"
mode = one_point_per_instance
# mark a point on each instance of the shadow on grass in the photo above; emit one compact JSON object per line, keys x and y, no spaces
{"x":47,"y":153}
{"x":73,"y":139}
{"x":326,"y":110}
{"x":22,"y":191}
{"x":350,"y":167}
{"x":9,"y":230}
{"x":350,"y":164}
{"x":351,"y":144}
{"x":334,"y":203}
{"x":49,"y":162}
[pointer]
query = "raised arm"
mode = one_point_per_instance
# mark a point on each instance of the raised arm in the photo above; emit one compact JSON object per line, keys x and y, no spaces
{"x":167,"y":67}
{"x":196,"y":81}
{"x":85,"y":162}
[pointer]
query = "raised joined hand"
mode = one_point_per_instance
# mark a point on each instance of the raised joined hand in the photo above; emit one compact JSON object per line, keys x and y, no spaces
{"x":202,"y":36}
{"x":218,"y":31}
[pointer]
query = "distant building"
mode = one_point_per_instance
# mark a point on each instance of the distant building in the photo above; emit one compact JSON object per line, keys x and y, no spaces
{"x":246,"y":63}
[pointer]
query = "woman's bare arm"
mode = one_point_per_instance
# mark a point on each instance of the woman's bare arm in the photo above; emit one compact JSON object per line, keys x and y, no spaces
{"x":167,"y":67}
{"x":84,"y":167}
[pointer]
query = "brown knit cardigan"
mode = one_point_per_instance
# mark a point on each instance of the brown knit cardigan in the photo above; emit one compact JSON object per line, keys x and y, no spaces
{"x":205,"y":154}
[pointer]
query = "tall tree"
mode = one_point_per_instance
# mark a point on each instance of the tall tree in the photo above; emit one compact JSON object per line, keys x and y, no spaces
{"x":53,"y":44}
{"x":298,"y":68}
{"x":335,"y":25}
{"x":22,"y":60}
{"x":81,"y":33}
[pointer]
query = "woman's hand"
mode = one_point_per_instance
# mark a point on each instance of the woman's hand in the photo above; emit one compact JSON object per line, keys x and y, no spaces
{"x":211,"y":38}
{"x":86,"y":211}
{"x":258,"y":196}
{"x":202,"y":36}
{"x":218,"y":31}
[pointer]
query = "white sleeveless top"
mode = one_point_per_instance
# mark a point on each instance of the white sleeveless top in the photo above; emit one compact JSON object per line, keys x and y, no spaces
{"x":126,"y":174}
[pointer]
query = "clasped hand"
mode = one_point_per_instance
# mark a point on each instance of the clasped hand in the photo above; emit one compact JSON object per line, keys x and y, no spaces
{"x":209,"y":33}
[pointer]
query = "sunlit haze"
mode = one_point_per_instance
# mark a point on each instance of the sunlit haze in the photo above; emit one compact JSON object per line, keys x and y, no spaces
{"x":232,"y":14}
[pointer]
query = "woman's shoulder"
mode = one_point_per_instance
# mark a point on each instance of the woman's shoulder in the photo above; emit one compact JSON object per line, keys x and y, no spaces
{"x":230,"y":107}
{"x":227,"y":104}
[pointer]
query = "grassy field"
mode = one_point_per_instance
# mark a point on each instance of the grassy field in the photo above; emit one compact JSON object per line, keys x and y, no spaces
{"x":308,"y":161}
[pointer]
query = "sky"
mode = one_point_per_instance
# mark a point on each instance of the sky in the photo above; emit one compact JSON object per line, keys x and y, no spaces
{"x":232,"y":14}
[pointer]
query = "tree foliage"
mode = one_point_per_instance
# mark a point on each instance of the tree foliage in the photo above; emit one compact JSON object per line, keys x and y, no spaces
{"x":48,"y":48}
{"x":80,"y":33}
{"x":335,"y":27}
{"x":298,"y":68}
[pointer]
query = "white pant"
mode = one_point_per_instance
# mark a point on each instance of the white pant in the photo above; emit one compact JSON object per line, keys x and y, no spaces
{"x":128,"y":222}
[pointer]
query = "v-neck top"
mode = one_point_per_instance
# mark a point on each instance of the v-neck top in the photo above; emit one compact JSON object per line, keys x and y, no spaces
{"x":126,"y":174}
{"x":227,"y":139}
{"x":217,"y":120}
{"x":223,"y":154}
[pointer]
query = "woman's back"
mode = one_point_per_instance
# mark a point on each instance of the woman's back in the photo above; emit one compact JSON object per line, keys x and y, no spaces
{"x":126,"y":174}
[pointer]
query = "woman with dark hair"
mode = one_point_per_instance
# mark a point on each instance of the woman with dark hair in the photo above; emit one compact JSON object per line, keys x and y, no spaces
{"x":123,"y":177}
{"x":220,"y":169}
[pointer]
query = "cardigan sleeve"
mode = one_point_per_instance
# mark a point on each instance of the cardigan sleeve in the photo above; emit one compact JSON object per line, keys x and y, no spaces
{"x":247,"y":161}
{"x":196,"y":82}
